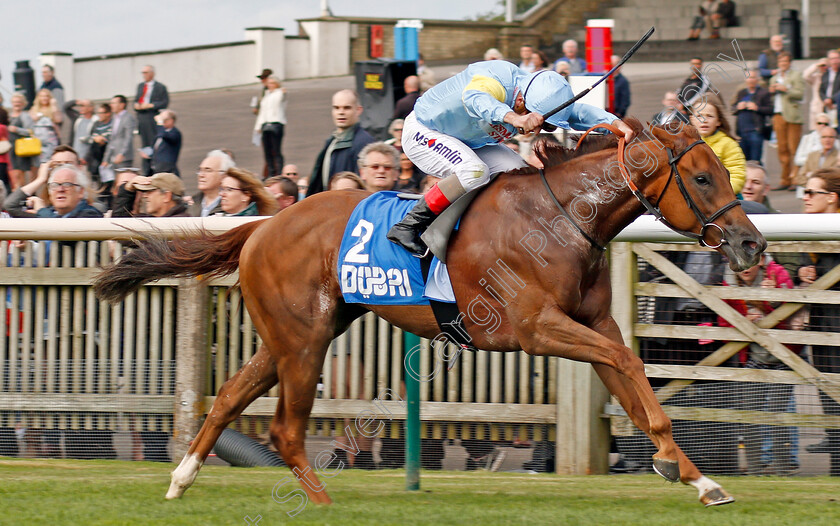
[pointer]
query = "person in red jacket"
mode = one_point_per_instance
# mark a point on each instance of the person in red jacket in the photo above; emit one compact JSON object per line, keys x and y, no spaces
{"x":774,"y":398}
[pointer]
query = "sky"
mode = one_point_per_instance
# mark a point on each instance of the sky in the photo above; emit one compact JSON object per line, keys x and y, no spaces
{"x":98,"y":27}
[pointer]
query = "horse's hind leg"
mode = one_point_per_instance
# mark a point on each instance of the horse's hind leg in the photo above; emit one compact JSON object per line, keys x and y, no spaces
{"x":299,"y":375}
{"x":255,"y":378}
{"x":711,"y":493}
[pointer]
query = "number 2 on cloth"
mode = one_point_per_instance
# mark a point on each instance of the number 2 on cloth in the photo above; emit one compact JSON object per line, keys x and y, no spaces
{"x":355,"y":255}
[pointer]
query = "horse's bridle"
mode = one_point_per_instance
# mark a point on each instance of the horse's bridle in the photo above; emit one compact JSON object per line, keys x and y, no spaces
{"x":654,"y":209}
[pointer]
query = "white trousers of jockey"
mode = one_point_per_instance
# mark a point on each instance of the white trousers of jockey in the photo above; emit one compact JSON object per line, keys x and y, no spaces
{"x":457,"y":127}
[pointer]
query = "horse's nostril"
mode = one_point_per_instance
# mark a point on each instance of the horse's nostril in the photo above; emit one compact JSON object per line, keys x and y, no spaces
{"x":750,"y":247}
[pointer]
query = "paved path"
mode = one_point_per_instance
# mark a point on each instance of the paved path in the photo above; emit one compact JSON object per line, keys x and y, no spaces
{"x":222,"y":118}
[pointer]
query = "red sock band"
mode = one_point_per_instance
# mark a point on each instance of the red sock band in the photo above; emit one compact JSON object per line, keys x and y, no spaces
{"x":436,"y":200}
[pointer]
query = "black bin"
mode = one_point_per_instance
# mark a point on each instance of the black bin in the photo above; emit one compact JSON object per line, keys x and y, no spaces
{"x":25,"y":81}
{"x":789,"y":27}
{"x":380,"y":85}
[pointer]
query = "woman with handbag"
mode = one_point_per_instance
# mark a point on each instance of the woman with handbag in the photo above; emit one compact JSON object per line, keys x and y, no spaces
{"x":47,"y":122}
{"x":20,"y":125}
{"x":271,"y":121}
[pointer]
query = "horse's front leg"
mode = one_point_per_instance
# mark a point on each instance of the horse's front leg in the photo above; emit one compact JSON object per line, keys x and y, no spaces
{"x":711,"y":493}
{"x":553,"y":333}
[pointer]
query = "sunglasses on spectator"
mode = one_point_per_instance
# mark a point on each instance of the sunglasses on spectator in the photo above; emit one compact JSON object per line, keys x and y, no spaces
{"x":65,"y":185}
{"x":228,"y":189}
{"x":823,"y":123}
{"x":290,"y":173}
{"x":378,"y":166}
{"x":812,"y":193}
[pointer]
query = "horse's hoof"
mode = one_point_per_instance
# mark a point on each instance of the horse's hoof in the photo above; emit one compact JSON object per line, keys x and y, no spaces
{"x":667,"y":469}
{"x":716,"y":497}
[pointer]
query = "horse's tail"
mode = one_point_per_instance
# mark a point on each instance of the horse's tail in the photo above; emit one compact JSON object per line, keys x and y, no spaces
{"x":201,"y":253}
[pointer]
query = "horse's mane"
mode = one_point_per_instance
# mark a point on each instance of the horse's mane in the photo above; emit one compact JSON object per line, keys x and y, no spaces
{"x":552,"y":154}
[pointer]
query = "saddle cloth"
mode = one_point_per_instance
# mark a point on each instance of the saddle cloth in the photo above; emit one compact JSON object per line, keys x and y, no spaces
{"x":375,"y":271}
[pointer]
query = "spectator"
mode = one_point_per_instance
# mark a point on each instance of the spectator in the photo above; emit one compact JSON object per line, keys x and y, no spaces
{"x":69,"y":191}
{"x":756,"y":188}
{"x":810,"y":142}
{"x":303,"y":186}
{"x":703,"y":19}
{"x":290,"y":171}
{"x":710,"y":120}
{"x":695,"y":86}
{"x":284,"y":190}
{"x":83,"y":120}
{"x":52,"y":84}
{"x":347,"y":181}
{"x":410,"y":177}
{"x":264,"y":81}
{"x":787,"y":88}
{"x":342,"y":149}
{"x":162,"y":193}
{"x":525,"y":52}
{"x":271,"y":123}
{"x":395,"y":130}
{"x":493,"y":54}
{"x":752,"y":106}
{"x":672,"y":110}
{"x":405,"y":105}
{"x":428,"y":182}
{"x":244,"y":195}
{"x":20,"y":125}
{"x":768,"y":59}
{"x":151,"y":98}
{"x":577,"y":66}
{"x":119,"y":152}
{"x":724,"y":16}
{"x":100,"y":134}
{"x":813,"y":75}
{"x":773,"y":398}
{"x":563,"y":69}
{"x":539,"y":62}
{"x":822,"y":194}
{"x":4,"y":155}
{"x":621,"y":91}
{"x":46,"y":118}
{"x":167,"y":145}
{"x":207,"y":202}
{"x":427,"y":76}
{"x":830,"y":83}
{"x":378,"y":166}
{"x":122,"y":176}
{"x":825,"y":158}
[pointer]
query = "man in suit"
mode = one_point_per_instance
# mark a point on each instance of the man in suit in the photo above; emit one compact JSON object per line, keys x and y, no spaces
{"x":405,"y":105}
{"x":825,"y":158}
{"x":787,"y":89}
{"x":167,"y":144}
{"x":119,"y":153}
{"x":830,"y":83}
{"x":151,"y":98}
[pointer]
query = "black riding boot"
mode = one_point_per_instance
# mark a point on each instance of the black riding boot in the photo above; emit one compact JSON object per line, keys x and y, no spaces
{"x":407,"y":232}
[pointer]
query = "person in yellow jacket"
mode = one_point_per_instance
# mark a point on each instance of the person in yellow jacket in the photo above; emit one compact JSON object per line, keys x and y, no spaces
{"x":710,"y":120}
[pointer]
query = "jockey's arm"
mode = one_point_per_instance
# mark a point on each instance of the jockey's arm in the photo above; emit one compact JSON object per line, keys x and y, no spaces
{"x":484,"y":98}
{"x":585,"y":116}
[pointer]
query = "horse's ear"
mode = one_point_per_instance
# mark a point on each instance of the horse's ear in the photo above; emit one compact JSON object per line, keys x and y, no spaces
{"x":667,"y":135}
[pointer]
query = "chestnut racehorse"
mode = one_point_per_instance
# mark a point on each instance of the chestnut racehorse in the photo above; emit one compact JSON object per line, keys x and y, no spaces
{"x":290,"y":284}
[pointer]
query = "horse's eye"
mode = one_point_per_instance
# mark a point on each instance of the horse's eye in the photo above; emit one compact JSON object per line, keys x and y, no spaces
{"x":702,"y":180}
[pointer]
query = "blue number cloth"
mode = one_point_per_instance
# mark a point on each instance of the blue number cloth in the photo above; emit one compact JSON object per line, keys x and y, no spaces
{"x":371,"y":269}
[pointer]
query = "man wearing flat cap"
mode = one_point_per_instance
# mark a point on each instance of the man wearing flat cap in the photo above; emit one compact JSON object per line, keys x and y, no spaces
{"x":162,"y":197}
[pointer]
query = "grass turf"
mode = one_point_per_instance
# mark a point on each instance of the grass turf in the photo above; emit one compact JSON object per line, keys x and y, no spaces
{"x":78,"y":492}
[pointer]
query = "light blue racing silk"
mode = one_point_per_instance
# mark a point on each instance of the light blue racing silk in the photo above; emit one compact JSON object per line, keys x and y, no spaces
{"x":471,"y":106}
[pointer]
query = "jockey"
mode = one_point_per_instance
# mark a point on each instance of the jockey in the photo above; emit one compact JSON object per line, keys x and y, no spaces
{"x":457,"y":126}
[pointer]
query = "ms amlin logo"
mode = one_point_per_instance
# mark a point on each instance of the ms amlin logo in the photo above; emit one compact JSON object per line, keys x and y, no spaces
{"x":444,"y":151}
